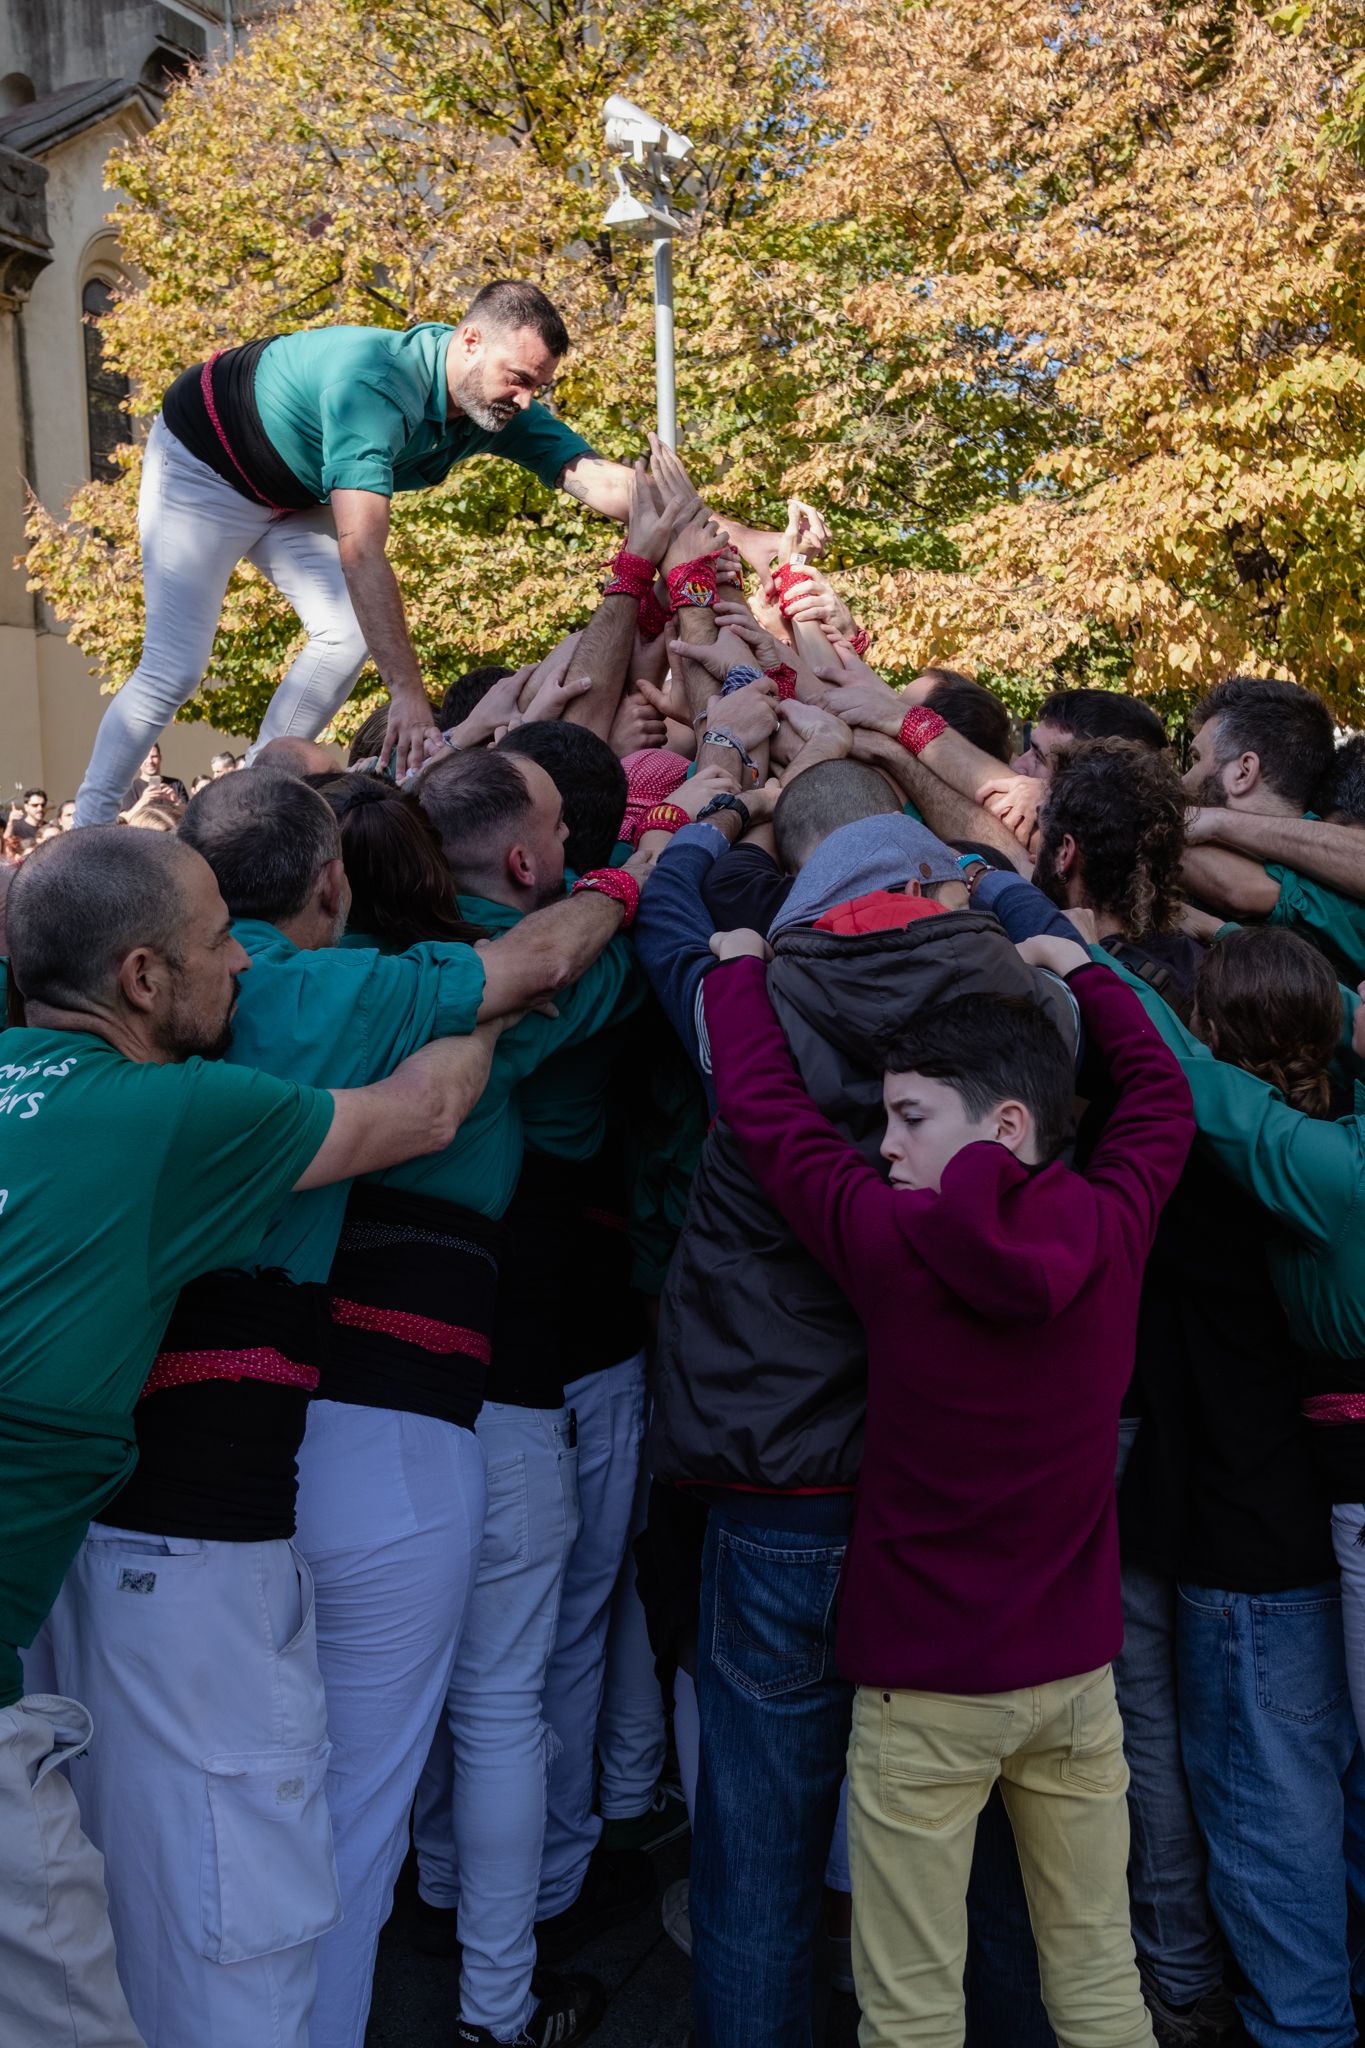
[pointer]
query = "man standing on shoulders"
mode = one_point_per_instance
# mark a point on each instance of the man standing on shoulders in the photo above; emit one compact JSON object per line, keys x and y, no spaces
{"x":286,"y":452}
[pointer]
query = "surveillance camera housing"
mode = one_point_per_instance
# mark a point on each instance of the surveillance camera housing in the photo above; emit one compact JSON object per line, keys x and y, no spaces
{"x":639,"y":216}
{"x":630,"y":127}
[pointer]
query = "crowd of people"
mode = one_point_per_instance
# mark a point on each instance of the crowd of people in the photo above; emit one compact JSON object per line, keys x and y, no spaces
{"x":154,"y":802}
{"x":693,"y":1211}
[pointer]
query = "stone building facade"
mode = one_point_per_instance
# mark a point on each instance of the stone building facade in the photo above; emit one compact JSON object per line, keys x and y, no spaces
{"x":76,"y":78}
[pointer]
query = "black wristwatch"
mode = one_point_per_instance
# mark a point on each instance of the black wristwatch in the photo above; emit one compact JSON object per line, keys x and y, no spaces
{"x":725,"y":802}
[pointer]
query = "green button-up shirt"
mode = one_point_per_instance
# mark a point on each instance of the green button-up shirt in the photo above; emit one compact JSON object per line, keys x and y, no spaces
{"x":340,"y":1017}
{"x":364,"y":409}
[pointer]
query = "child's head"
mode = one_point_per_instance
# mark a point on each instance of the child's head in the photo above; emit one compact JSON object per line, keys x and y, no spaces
{"x":1266,"y":1000}
{"x":980,"y":1069}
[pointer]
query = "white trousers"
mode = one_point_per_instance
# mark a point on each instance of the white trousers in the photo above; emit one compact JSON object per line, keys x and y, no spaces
{"x":59,"y":1987}
{"x":609,"y":1407}
{"x":194,"y":530}
{"x":205,"y":1789}
{"x":390,"y":1518}
{"x":480,"y":1815}
{"x":632,"y":1737}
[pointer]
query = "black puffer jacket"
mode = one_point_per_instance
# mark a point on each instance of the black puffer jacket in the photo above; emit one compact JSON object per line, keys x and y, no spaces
{"x":761,"y":1370}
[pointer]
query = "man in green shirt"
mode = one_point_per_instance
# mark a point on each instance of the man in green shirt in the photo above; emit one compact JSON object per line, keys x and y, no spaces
{"x":287,"y":452}
{"x":131,"y":1163}
{"x":209,"y":1514}
{"x":1262,"y":750}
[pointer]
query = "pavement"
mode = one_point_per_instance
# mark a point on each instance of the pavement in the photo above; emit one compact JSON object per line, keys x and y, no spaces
{"x":650,"y":1981}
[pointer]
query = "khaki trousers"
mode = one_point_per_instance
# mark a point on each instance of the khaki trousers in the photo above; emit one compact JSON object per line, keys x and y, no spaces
{"x":920,"y":1768}
{"x":58,"y":1984}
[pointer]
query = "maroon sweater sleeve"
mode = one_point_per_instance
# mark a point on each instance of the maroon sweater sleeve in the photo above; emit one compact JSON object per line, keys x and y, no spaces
{"x":841,"y":1210}
{"x":1146,"y":1140}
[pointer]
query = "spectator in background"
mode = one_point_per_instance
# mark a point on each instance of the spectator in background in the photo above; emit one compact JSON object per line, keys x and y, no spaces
{"x":222,"y":764}
{"x":66,"y":816}
{"x":150,"y":778}
{"x":27,"y":816}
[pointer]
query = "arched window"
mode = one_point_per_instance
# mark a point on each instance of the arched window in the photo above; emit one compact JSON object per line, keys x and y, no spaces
{"x":105,"y":388}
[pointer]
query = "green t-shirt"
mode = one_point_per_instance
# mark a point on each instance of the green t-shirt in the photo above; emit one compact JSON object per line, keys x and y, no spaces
{"x":340,"y":1017}
{"x":481,"y":1168}
{"x":364,"y":409}
{"x":1335,"y":923}
{"x":119,"y":1182}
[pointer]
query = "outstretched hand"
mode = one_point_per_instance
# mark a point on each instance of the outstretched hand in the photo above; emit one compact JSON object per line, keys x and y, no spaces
{"x":740,"y":945}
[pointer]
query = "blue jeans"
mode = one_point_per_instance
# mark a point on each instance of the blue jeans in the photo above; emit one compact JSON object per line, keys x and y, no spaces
{"x":1269,"y":1741}
{"x":1173,"y":1924}
{"x":775,"y":1720}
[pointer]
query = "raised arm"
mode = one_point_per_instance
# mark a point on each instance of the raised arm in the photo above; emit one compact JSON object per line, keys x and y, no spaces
{"x":552,"y":948}
{"x":418,"y":1109}
{"x":831,"y":1198}
{"x":944,"y":811}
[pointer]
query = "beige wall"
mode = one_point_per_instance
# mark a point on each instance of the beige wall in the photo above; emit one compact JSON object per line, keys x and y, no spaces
{"x":50,"y":705}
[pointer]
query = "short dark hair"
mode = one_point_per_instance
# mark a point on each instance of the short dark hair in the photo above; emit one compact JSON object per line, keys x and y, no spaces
{"x":1104,"y":715}
{"x":972,"y":710}
{"x":464,"y":695}
{"x":1125,"y":809}
{"x":1288,"y":728}
{"x":991,"y":1049}
{"x":820,"y":800}
{"x":474,"y":799}
{"x":35,"y":792}
{"x":587,"y":775}
{"x":267,"y":838}
{"x":1342,"y":794}
{"x":82,"y":902}
{"x":510,"y":303}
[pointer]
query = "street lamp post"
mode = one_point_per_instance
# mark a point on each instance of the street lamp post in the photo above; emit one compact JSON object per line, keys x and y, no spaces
{"x":641,"y":207}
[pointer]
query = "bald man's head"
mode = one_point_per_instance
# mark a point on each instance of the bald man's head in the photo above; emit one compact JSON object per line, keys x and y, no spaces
{"x":296,"y":757}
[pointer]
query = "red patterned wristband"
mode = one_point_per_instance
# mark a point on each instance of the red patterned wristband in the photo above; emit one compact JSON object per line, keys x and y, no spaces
{"x":784,"y":576}
{"x":664,"y":818}
{"x":860,"y":642}
{"x":692,"y":583}
{"x":653,"y":617}
{"x":631,"y":576}
{"x":919,"y":727}
{"x":784,"y":675}
{"x":616,"y":883}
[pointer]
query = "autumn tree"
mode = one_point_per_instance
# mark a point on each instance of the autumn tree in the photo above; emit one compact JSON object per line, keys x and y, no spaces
{"x":378,"y":164}
{"x":1137,"y":227}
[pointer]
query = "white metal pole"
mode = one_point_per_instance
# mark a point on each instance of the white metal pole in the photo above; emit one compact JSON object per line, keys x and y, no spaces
{"x":664,"y":379}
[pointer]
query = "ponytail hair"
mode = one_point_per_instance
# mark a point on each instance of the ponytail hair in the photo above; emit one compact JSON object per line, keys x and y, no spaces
{"x":401,"y":888}
{"x":1268,"y":1002}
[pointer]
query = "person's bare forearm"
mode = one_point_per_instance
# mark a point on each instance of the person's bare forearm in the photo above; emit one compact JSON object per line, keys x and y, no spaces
{"x":416,"y":1110}
{"x":600,"y":484}
{"x":1228,"y":881}
{"x":1331,"y":854}
{"x":945,"y":812}
{"x":959,"y":764}
{"x":604,"y":654}
{"x":378,"y":605}
{"x":547,"y":951}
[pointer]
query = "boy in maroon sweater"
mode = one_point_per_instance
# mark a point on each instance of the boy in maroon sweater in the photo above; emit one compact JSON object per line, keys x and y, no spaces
{"x":980,"y":1605}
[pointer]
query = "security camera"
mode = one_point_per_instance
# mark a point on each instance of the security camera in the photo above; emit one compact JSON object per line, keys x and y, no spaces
{"x":630,"y":127}
{"x":638,"y":216}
